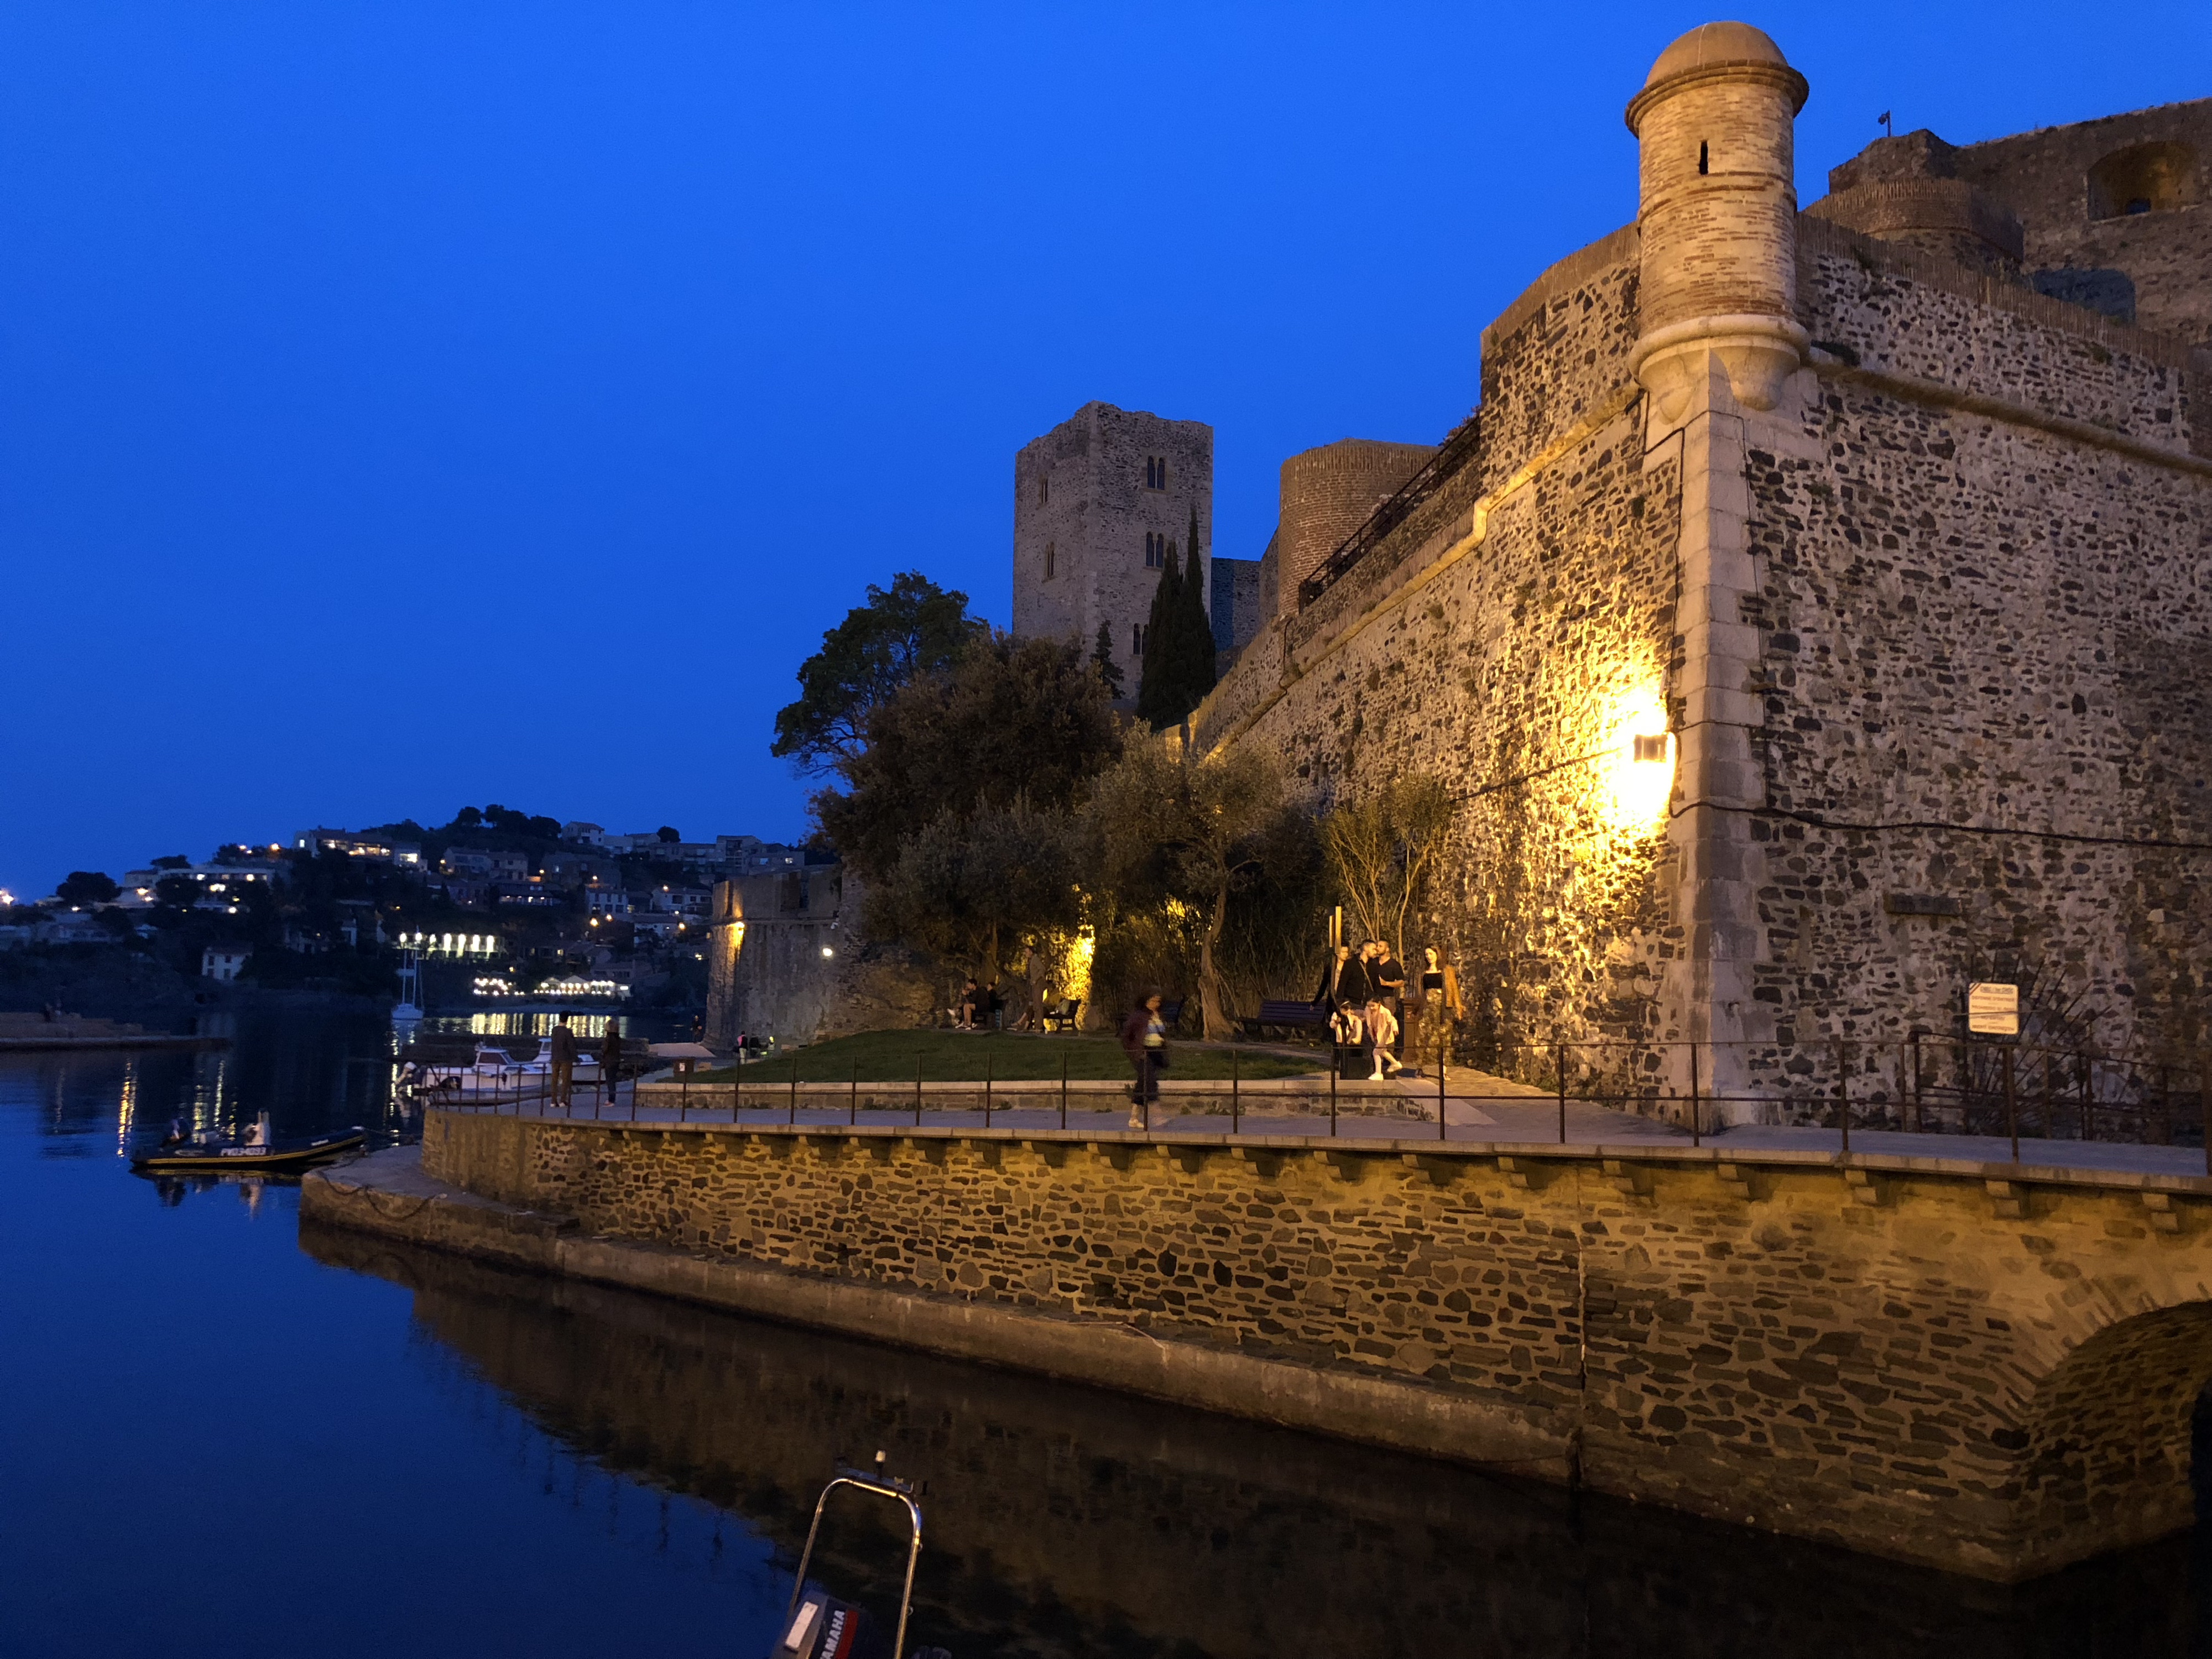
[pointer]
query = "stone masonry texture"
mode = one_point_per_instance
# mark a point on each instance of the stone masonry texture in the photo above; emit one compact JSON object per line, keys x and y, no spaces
{"x":1327,"y":494}
{"x":1898,"y":1360}
{"x":2072,"y":185}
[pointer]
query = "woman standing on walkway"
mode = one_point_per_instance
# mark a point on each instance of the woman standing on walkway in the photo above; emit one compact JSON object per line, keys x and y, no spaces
{"x":1438,"y":1008}
{"x":1144,"y":1040}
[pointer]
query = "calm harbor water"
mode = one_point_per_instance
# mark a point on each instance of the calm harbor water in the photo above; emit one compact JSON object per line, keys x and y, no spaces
{"x":219,"y":1436}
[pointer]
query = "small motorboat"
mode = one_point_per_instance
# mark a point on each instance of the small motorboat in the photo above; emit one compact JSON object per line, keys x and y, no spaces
{"x":496,"y":1075}
{"x":817,"y":1625}
{"x":258,"y":1153}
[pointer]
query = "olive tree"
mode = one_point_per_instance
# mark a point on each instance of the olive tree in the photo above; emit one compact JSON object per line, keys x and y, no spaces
{"x":1168,"y":828}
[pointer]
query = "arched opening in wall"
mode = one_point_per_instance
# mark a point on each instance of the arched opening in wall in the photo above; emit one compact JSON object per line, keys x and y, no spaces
{"x":1049,"y":558}
{"x":2107,"y":1446}
{"x":2155,"y":178}
{"x":1704,"y":158}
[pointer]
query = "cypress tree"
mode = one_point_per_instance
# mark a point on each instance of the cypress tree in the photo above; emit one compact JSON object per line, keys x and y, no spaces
{"x":1101,"y":659}
{"x":1193,"y":639}
{"x":1157,"y":692}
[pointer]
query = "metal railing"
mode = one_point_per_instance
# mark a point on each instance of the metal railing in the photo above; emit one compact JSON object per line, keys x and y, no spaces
{"x":1458,"y":448}
{"x":1919,"y":1084}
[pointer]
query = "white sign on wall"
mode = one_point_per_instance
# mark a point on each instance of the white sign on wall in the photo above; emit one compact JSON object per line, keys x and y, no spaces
{"x":1993,"y":1010}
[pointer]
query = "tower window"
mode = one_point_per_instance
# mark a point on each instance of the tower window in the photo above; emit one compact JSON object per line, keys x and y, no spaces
{"x":1704,"y":157}
{"x":1156,"y":472}
{"x":1047,"y":561}
{"x":1044,"y":489}
{"x":1156,"y":550}
{"x":1137,"y":639}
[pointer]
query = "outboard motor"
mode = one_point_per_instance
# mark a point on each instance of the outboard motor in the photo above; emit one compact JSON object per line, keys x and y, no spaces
{"x":818,"y":1626}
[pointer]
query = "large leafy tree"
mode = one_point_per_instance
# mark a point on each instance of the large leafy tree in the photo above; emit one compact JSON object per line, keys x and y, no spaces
{"x":1170,"y":828}
{"x":86,"y":887}
{"x":1008,"y":719}
{"x":913,"y":629}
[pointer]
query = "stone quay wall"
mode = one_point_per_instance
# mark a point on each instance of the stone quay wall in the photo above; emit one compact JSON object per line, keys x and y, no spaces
{"x":1967,"y":1366}
{"x":1114,"y":1513}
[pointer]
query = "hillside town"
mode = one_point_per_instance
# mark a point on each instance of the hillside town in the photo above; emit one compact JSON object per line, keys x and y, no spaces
{"x":495,"y":904}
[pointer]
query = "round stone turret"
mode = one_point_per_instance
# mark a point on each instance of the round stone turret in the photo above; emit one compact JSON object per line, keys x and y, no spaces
{"x":1719,"y":217}
{"x":1327,"y":494}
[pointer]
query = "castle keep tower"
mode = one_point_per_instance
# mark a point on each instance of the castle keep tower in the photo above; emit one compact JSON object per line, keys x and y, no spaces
{"x":1719,"y":217}
{"x":1096,"y":501}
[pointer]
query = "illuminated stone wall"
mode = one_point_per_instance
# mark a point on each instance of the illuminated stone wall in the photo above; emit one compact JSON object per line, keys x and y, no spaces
{"x":1086,"y":496}
{"x":1915,"y":564}
{"x":787,"y":962}
{"x":1516,"y":671}
{"x":1052,"y":1505}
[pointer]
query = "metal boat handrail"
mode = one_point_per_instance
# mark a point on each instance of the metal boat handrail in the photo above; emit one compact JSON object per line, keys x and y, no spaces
{"x":882,"y":1484}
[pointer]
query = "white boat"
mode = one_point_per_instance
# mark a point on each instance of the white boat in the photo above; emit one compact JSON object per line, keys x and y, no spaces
{"x":496,"y":1074}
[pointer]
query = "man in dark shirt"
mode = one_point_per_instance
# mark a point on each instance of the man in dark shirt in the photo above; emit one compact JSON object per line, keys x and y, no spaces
{"x":1353,"y":986}
{"x":610,"y":1058}
{"x":564,"y":1060}
{"x":1386,"y":975}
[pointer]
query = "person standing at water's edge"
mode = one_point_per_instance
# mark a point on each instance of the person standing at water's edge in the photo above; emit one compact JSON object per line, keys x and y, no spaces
{"x":1144,"y":1040}
{"x":564,"y":1059}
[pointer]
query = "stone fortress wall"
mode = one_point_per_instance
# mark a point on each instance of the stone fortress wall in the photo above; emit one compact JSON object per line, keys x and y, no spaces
{"x":2127,"y":195}
{"x":1906,"y":1357}
{"x":1911,"y":559}
{"x":788,"y":962}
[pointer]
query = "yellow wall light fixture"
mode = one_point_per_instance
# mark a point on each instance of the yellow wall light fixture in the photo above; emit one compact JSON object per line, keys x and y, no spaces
{"x":1639,"y":778}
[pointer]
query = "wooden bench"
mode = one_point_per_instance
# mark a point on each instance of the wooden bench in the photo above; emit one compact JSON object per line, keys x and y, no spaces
{"x":1061,"y":1016}
{"x":1285,"y":1015}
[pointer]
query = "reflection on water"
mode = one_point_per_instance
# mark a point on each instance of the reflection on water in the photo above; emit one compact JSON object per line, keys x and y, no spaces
{"x":495,"y":1464}
{"x":1065,"y":1522}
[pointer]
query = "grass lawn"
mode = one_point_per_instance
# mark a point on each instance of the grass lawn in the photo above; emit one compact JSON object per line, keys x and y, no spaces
{"x":960,"y":1056}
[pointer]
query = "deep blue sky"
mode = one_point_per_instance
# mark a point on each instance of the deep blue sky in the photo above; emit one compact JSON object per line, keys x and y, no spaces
{"x":407,"y":406}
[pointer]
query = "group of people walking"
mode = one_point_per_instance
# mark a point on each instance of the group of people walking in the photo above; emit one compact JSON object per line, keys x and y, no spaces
{"x":1365,"y":996}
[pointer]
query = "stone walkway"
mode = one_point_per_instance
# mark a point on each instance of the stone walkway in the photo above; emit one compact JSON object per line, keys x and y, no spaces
{"x":1479,"y":1109}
